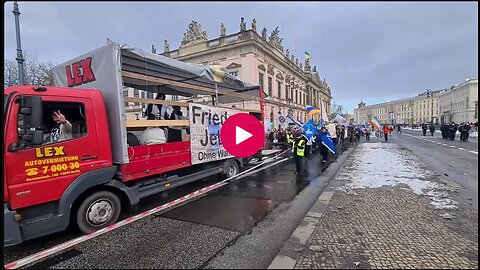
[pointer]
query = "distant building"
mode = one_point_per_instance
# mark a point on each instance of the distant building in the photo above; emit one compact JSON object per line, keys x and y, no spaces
{"x":460,"y":104}
{"x":422,"y":108}
{"x":289,"y":84}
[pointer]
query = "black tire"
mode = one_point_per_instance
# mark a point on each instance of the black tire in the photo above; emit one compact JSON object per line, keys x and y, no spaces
{"x":107,"y":203}
{"x":231,"y":168}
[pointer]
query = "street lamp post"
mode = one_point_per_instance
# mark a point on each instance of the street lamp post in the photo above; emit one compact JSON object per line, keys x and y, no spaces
{"x":20,"y":59}
{"x":430,"y":95}
{"x":411,"y":103}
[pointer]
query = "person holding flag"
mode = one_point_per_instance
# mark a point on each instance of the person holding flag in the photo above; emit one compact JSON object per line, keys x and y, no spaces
{"x":375,"y":124}
{"x":310,"y":131}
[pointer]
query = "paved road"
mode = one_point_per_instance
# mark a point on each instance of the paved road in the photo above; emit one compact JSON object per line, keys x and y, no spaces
{"x":194,"y":235}
{"x":456,"y":160}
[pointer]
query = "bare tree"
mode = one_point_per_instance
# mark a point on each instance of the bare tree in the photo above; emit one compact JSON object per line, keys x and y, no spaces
{"x":337,"y":108}
{"x":36,"y":72}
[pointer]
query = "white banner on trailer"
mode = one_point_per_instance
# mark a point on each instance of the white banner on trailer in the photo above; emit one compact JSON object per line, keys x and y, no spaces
{"x":205,"y":124}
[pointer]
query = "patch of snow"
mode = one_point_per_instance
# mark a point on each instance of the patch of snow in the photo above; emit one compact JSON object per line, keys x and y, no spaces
{"x":375,"y":165}
{"x":444,"y":203}
{"x":473,"y":134}
{"x":346,"y":190}
{"x":447,"y":216}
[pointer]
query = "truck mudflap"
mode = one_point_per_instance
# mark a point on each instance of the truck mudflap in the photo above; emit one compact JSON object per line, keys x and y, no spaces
{"x":11,"y":233}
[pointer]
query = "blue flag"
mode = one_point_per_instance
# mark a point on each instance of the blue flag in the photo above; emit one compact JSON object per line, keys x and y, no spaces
{"x":328,"y":142}
{"x":309,"y":128}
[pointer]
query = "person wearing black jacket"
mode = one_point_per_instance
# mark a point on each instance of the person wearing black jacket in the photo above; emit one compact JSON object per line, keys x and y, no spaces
{"x":452,"y":130}
{"x":175,"y":133}
{"x":464,"y":130}
{"x":323,"y":148}
{"x":461,"y":129}
{"x":155,"y":113}
{"x":432,"y":129}
{"x":424,"y":129}
{"x":467,"y":131}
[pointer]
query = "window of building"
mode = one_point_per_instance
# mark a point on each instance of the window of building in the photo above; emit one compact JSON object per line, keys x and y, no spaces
{"x":150,"y":95}
{"x":136,"y":94}
{"x":270,"y":86}
{"x":476,"y":109}
{"x":279,"y":89}
{"x":287,"y":89}
{"x":143,"y":96}
{"x":260,"y":80}
{"x":296,"y":96}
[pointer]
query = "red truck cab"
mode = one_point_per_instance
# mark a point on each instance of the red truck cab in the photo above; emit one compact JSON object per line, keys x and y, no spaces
{"x":42,"y":178}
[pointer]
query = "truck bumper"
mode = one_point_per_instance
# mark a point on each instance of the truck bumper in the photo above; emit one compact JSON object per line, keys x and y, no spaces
{"x":11,"y":233}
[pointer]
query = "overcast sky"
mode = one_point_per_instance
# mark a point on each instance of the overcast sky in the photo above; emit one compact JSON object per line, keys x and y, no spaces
{"x":373,"y":52}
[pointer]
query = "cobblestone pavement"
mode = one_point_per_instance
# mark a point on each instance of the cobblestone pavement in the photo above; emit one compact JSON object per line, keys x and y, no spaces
{"x":392,"y":227}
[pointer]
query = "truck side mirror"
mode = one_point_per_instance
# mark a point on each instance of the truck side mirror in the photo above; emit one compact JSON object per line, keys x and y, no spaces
{"x":34,"y":137}
{"x":32,"y":109}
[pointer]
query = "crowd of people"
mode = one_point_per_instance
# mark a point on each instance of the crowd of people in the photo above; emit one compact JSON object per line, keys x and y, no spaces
{"x":293,"y":137}
{"x":345,"y":135}
{"x":449,"y":130}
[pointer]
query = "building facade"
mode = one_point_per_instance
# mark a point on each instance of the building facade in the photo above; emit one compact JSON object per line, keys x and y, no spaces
{"x":460,"y":104}
{"x":423,"y":108}
{"x":290,"y":85}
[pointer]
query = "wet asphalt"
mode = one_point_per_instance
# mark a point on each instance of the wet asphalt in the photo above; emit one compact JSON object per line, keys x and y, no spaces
{"x":452,"y":163}
{"x":194,"y":235}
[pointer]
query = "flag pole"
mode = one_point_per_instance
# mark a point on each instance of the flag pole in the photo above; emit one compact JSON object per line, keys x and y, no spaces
{"x":216,"y":94}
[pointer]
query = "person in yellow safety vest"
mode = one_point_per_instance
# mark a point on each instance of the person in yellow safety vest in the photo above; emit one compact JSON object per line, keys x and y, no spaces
{"x":290,"y":138}
{"x":298,"y":150}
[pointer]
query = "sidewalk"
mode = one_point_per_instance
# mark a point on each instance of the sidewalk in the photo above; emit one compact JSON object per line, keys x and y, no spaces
{"x":385,"y":210}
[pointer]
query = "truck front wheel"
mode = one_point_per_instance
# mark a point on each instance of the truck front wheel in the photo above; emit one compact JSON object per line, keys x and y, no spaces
{"x":97,"y":211}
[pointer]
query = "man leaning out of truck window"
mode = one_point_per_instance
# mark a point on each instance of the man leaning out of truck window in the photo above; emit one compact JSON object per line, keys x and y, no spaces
{"x":62,"y":130}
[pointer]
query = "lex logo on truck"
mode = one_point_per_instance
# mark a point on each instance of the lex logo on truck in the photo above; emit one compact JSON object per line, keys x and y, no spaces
{"x":80,"y":72}
{"x":49,"y":151}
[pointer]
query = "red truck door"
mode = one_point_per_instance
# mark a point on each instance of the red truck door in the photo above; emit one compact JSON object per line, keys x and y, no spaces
{"x":40,"y":174}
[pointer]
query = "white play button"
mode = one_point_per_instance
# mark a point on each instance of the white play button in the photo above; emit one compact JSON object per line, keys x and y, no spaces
{"x":241,"y":135}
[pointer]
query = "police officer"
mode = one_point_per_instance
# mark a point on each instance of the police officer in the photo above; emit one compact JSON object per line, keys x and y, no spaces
{"x":424,"y":129}
{"x":298,"y":150}
{"x":290,"y":138}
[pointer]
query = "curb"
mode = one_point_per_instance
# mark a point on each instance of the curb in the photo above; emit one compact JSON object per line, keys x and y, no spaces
{"x":294,"y":247}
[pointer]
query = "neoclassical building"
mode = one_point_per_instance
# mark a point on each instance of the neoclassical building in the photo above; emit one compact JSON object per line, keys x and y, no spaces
{"x":290,"y":84}
{"x":458,"y":103}
{"x":422,"y":108}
